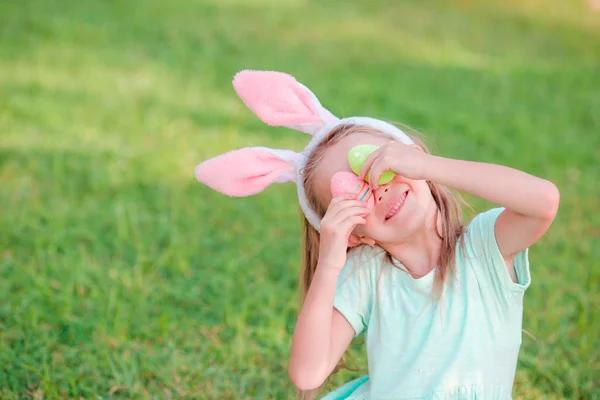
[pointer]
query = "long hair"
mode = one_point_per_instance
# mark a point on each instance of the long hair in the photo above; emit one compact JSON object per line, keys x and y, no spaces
{"x":447,"y":204}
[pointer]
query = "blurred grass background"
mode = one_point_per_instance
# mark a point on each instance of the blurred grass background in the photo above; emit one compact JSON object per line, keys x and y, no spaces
{"x":121,"y":277}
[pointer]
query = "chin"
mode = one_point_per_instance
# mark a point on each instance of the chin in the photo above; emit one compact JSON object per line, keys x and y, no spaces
{"x":409,"y":221}
{"x":404,"y":226}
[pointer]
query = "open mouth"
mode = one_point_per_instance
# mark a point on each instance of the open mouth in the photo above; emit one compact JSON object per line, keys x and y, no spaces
{"x":397,"y":206}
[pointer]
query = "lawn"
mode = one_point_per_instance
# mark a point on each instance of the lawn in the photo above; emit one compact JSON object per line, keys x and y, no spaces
{"x":122,"y":277}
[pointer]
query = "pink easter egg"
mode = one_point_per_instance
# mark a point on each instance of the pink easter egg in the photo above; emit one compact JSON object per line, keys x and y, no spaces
{"x":347,"y":182}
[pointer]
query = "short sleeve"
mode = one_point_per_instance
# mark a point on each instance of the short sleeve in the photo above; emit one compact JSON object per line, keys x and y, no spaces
{"x":355,"y":288}
{"x":490,"y":267}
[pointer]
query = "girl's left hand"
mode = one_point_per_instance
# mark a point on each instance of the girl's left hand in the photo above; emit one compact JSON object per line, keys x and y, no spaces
{"x":407,"y":161}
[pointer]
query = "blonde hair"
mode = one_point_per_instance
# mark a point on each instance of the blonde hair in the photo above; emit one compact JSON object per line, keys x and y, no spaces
{"x":446,"y":201}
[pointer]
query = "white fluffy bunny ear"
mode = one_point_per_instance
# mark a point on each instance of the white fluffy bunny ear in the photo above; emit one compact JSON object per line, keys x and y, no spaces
{"x":279,"y":100}
{"x":248,"y":171}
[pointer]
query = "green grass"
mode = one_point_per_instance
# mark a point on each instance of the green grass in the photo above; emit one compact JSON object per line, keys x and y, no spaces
{"x":121,"y":277}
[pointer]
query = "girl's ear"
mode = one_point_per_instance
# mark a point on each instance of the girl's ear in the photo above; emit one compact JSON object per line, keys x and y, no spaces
{"x":355,"y":240}
{"x":248,"y":171}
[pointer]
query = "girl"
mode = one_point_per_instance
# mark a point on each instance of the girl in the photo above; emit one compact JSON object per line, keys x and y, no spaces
{"x":440,"y":303}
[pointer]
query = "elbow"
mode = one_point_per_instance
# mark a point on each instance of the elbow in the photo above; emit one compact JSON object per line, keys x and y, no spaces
{"x":306,"y":380}
{"x":550,"y":203}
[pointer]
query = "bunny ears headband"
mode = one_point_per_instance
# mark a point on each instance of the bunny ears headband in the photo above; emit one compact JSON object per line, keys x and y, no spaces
{"x":278,"y":100}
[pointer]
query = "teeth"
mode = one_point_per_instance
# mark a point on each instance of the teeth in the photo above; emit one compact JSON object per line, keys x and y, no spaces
{"x":396,"y":207}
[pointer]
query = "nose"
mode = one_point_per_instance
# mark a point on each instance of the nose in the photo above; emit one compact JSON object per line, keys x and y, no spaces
{"x":381,"y":193}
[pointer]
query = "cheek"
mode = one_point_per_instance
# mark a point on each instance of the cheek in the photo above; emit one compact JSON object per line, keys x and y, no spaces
{"x":359,"y":230}
{"x":425,"y":198}
{"x":421,"y":191}
{"x":365,"y":229}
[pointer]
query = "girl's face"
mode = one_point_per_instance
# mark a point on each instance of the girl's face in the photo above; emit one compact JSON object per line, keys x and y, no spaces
{"x":387,"y":223}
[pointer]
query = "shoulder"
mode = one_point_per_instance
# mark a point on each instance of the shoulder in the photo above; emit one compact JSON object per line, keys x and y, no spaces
{"x":485,"y":259}
{"x":479,"y":234}
{"x":355,"y":294}
{"x":485,"y":219}
{"x":479,"y":231}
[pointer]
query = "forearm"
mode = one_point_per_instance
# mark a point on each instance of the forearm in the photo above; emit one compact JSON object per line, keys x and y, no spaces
{"x":507,"y":187}
{"x":311,"y":342}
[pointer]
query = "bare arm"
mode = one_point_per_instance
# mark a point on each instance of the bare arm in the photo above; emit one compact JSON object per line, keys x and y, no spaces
{"x":321,"y":336}
{"x":531,"y":203}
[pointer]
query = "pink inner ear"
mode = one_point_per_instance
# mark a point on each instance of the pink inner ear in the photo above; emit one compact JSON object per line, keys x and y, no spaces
{"x":276,"y":98}
{"x":243,"y":172}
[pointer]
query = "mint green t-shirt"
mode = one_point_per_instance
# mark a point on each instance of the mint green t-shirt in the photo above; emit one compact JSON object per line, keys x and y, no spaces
{"x":463,"y":347}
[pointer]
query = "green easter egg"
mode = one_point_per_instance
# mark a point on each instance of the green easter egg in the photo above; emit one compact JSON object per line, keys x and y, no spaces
{"x":357,"y":156}
{"x":386,"y":177}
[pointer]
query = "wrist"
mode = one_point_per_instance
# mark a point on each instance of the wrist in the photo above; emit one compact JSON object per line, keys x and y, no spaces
{"x":431,"y":166}
{"x":327,"y":269}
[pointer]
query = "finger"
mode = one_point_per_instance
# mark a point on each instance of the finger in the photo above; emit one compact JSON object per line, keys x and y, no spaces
{"x":368,"y":162}
{"x":377,"y":169}
{"x":334,"y":208}
{"x":351,"y":222}
{"x":342,"y":197}
{"x":340,"y":215}
{"x":357,"y":220}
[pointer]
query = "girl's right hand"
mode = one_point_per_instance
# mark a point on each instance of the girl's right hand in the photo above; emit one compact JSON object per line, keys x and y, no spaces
{"x":343,"y":214}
